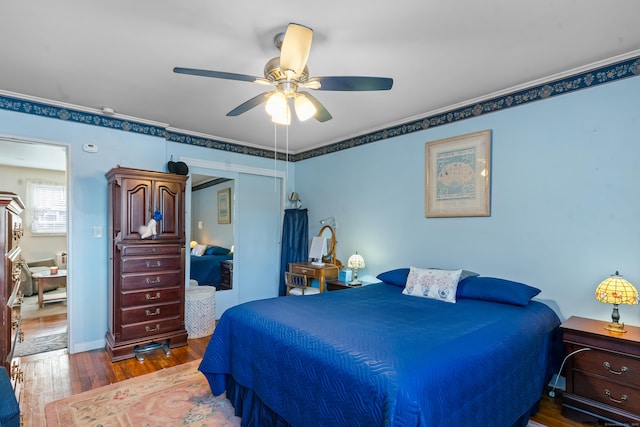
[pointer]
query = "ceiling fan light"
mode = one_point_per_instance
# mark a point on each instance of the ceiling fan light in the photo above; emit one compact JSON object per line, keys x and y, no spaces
{"x":282,"y":117}
{"x":277,"y":104}
{"x":304,"y":108}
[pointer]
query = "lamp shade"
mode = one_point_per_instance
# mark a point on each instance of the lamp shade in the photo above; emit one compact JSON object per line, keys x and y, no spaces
{"x":616,"y":290}
{"x":304,"y":107}
{"x":193,"y":244}
{"x":356,"y":261}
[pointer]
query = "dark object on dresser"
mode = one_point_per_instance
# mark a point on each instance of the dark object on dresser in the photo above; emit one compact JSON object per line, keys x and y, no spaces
{"x":146,"y":276}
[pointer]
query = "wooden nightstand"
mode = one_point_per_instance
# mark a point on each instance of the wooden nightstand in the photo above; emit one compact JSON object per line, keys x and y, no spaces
{"x":603,"y":382}
{"x":336,"y":285}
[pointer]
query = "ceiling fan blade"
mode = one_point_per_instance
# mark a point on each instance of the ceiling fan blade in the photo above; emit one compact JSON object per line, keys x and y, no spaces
{"x":248,"y":105}
{"x":352,"y":83}
{"x":322,"y":115}
{"x":295,"y":49}
{"x":216,"y":74}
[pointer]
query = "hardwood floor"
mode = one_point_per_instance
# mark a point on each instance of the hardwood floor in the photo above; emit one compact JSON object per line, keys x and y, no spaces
{"x":58,"y":374}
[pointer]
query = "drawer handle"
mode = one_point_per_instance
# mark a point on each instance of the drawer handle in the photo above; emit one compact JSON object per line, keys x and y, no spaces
{"x":623,"y":399}
{"x":152,"y":282}
{"x":157,"y":328}
{"x":152,"y":297}
{"x":150,"y":264}
{"x":153,"y":313}
{"x":607,"y":366}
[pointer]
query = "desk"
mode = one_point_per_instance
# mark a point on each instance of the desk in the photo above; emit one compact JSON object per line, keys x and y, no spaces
{"x":318,"y":272}
{"x":44,"y":277}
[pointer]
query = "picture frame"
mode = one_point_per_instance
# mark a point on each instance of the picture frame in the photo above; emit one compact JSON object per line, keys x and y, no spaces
{"x":458,"y":176}
{"x":224,"y":206}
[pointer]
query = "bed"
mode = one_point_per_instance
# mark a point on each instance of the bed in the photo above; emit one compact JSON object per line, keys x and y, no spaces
{"x":206,"y":268}
{"x":375,"y":356}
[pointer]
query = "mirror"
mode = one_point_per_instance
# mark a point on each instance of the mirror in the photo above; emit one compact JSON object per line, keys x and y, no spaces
{"x":328,"y":233}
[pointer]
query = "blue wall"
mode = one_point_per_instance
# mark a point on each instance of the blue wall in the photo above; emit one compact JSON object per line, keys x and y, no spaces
{"x":564,"y":214}
{"x":565,"y":210}
{"x":87,"y":262}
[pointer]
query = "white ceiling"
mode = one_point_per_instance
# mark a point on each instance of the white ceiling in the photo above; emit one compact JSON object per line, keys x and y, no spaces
{"x":121,"y":54}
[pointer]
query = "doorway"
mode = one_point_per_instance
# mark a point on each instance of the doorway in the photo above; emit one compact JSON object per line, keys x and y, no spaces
{"x":37,"y":172}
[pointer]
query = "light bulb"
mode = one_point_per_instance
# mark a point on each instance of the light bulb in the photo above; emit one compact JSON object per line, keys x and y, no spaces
{"x":276,"y":105}
{"x":304,"y":107}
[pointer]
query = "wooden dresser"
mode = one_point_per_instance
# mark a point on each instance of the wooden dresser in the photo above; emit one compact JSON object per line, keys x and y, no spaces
{"x":11,"y":231}
{"x":320,"y":273}
{"x":603,"y":383}
{"x":146,"y":276}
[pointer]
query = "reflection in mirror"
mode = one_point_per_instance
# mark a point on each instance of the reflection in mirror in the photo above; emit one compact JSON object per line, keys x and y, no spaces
{"x":211,"y":258}
{"x":329,"y":233}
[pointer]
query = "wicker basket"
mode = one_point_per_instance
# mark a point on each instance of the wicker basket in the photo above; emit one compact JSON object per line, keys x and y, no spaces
{"x":200,"y":311}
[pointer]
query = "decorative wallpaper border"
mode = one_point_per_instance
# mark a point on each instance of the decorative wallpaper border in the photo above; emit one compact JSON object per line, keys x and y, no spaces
{"x":605,"y":74}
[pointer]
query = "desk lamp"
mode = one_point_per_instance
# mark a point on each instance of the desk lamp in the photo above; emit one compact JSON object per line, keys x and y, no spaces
{"x":616,"y":290}
{"x":355,"y":263}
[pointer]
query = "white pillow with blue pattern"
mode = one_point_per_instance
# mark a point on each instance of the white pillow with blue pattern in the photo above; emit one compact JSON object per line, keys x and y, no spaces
{"x":432,"y":283}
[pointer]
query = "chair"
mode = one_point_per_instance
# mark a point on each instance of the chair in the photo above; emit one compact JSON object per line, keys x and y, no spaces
{"x":29,"y":285}
{"x":298,"y":284}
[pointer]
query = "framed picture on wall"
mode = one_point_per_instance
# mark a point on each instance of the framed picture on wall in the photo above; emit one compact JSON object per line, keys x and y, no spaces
{"x":224,"y":206}
{"x":458,"y":176}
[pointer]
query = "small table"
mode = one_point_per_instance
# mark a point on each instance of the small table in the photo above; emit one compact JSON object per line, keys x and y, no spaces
{"x":45,"y":277}
{"x":318,"y":272}
{"x":336,"y":285}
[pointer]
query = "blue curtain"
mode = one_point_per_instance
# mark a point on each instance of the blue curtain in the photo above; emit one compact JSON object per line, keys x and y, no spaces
{"x":295,"y":241}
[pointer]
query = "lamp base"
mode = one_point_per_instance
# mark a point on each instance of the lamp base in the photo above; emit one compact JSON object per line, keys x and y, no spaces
{"x":355,"y":283}
{"x":616,"y":327}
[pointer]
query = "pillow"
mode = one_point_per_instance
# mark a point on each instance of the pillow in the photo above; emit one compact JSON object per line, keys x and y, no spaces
{"x":398,"y":277}
{"x":216,"y":250}
{"x":432,"y":283}
{"x":496,"y":290}
{"x":198,"y":250}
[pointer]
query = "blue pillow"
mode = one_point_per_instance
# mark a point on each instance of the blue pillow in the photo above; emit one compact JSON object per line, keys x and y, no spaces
{"x":398,"y":277}
{"x":496,"y":290}
{"x":216,"y":250}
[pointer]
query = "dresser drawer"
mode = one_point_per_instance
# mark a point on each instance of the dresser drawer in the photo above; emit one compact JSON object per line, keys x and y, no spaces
{"x":152,"y":328}
{"x":309,"y":272}
{"x":147,"y":265}
{"x":161,"y":279}
{"x":150,"y":250}
{"x":154,"y":296}
{"x":150,"y":313}
{"x":608,"y":392}
{"x":609,"y":365}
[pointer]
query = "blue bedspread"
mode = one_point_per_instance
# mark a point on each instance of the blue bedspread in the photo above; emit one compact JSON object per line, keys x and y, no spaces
{"x":371,"y":356}
{"x":206,"y":269}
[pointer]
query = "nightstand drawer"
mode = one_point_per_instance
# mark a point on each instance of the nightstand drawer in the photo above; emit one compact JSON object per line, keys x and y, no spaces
{"x":609,"y":365}
{"x":607,"y":392}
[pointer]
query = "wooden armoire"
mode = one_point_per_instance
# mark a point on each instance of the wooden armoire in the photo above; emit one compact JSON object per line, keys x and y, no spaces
{"x":146,"y":275}
{"x":11,"y":231}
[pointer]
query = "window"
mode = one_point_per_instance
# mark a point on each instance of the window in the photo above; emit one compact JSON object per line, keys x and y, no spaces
{"x":48,"y":208}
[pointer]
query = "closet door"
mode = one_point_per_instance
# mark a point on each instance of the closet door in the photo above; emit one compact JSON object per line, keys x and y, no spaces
{"x":136,"y":206}
{"x":169,"y":199}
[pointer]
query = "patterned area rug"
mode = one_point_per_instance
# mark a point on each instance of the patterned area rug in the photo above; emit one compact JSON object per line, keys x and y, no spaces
{"x":176,"y":396}
{"x":41,"y":344}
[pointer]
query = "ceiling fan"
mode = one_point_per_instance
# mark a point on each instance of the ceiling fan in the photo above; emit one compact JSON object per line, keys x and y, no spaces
{"x":289,"y":73}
